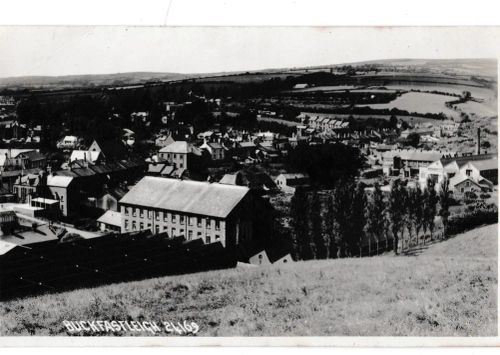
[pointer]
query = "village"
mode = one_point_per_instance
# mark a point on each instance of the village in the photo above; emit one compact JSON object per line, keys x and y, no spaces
{"x":222,"y":172}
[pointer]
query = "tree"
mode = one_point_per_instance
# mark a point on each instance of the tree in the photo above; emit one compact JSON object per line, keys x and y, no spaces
{"x":419,"y":211}
{"x":413,"y":139}
{"x":395,"y":212}
{"x":430,"y":206}
{"x":444,"y":203}
{"x":327,"y":163}
{"x":298,"y":211}
{"x":316,"y":239}
{"x":375,"y":221}
{"x":341,"y":202}
{"x":357,"y":219}
{"x":328,"y":232}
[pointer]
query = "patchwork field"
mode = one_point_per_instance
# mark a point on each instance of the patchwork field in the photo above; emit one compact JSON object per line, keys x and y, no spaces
{"x":478,"y":109}
{"x":419,"y":102}
{"x":449,"y":289}
{"x":476,"y":92}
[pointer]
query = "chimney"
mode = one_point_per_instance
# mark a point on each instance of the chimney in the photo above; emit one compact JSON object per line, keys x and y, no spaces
{"x":478,"y":141}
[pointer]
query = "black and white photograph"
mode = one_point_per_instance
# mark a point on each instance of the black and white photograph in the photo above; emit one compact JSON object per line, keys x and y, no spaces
{"x":232,"y":182}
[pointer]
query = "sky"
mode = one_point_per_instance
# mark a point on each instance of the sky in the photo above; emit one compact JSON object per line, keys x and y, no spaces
{"x":69,"y":50}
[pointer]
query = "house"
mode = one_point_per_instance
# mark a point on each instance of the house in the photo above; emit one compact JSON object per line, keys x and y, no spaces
{"x":450,"y":166}
{"x":20,"y":230}
{"x":243,"y":149}
{"x":110,"y":198}
{"x":12,"y":159}
{"x":33,"y":159}
{"x":62,"y":188}
{"x":86,"y":155}
{"x":111,"y":150}
{"x":68,"y":142}
{"x":487,"y":169}
{"x":216,"y":150}
{"x":181,"y":154}
{"x":271,"y":255}
{"x":462,"y":184}
{"x":155,"y":169}
{"x":110,"y":221}
{"x":164,"y":141}
{"x":289,"y":182}
{"x":29,"y":186}
{"x":257,"y":181}
{"x":409,"y":161}
{"x":212,"y":212}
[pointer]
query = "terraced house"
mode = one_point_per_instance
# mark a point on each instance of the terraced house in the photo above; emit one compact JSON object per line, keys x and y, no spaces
{"x":214,"y":212}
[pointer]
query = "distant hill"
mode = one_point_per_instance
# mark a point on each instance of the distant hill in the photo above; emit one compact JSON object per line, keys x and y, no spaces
{"x":486,"y":68}
{"x":89,"y":80}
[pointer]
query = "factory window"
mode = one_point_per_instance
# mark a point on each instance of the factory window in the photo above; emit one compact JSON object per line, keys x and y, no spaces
{"x":141,"y":226}
{"x":165,"y":216}
{"x":208,"y":223}
{"x":126,"y":225}
{"x":208,"y":240}
{"x":217,"y":224}
{"x":141,"y":213}
{"x":173,"y":232}
{"x":174,"y":217}
{"x":157,"y":229}
{"x":125,"y":209}
{"x":190,"y":235}
{"x":198,"y":221}
{"x":181,"y":219}
{"x":133,"y":225}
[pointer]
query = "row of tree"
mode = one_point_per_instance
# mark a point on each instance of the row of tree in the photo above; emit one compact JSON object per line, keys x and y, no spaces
{"x":348,"y":220}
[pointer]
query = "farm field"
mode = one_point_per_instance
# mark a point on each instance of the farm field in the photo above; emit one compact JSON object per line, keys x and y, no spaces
{"x":326,"y":88}
{"x":477,"y":109}
{"x":476,"y":92}
{"x":448,"y":289}
{"x":419,"y":102}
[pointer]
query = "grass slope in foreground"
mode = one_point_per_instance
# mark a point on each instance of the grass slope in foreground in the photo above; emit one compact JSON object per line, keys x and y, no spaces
{"x":450,"y":289}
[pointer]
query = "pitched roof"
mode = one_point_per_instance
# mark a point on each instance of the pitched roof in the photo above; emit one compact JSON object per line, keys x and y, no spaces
{"x":59,"y":181}
{"x":112,"y":149}
{"x":195,"y":197}
{"x":111,"y":217}
{"x":33,"y":155}
{"x":156,"y":168}
{"x":215,"y":145}
{"x":413,"y":154}
{"x":461,"y":161}
{"x":84,"y":155}
{"x":179,"y":147}
{"x":459,"y":178}
{"x":490,"y":164}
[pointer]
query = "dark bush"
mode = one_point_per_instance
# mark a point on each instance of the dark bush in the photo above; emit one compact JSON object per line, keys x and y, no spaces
{"x":475,"y":216}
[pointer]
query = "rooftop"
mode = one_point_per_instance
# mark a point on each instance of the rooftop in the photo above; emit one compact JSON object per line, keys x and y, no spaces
{"x":490,"y":164}
{"x":59,"y":181}
{"x":203,"y":198}
{"x":111,"y":217}
{"x":182,"y":147}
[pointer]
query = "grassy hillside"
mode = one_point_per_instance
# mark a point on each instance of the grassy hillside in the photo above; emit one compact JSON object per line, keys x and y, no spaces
{"x":448,"y":289}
